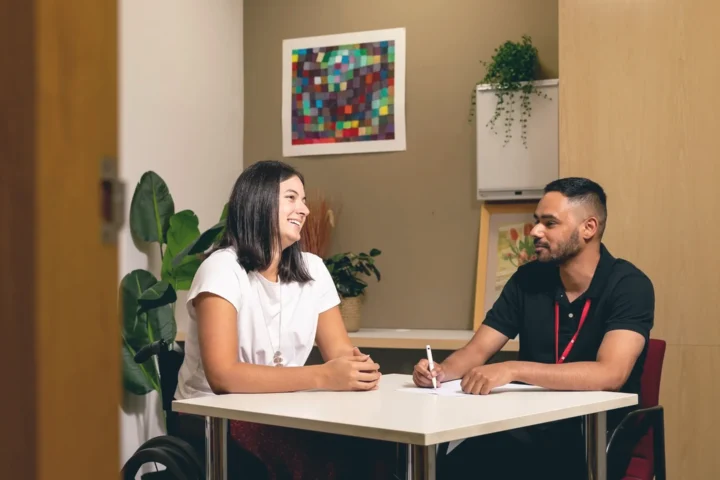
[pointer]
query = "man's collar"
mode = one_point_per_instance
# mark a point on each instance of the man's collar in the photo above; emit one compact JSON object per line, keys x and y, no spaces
{"x":599,"y":280}
{"x":602,"y":273}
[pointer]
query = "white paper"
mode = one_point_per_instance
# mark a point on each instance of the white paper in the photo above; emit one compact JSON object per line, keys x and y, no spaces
{"x":447,"y":389}
{"x":453,"y":444}
{"x":517,"y":387}
{"x":452,"y":389}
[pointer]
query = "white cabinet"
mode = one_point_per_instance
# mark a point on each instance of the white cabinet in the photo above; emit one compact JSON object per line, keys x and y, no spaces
{"x":517,"y":169}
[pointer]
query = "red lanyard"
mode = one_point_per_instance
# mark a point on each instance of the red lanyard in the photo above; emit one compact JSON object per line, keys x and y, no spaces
{"x":586,"y":308}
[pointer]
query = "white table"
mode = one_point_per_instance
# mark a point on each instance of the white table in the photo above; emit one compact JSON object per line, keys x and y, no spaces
{"x":418,"y":420}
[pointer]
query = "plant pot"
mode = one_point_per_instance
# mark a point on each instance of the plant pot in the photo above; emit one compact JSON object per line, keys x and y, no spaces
{"x":350,"y":308}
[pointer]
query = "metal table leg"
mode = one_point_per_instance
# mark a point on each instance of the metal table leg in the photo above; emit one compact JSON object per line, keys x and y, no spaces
{"x":216,"y":430}
{"x":595,"y":445}
{"x":421,"y":462}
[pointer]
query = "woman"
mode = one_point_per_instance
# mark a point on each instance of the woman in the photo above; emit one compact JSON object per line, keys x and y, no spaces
{"x":258,"y":302}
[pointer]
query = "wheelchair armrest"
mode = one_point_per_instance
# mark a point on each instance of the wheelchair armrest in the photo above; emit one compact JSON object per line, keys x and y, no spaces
{"x":634,"y":426}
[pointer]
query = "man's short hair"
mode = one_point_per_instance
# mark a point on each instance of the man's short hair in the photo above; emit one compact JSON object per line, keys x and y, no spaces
{"x":585,"y":191}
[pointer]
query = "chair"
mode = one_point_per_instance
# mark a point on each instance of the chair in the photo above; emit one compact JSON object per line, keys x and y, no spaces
{"x":643,"y":429}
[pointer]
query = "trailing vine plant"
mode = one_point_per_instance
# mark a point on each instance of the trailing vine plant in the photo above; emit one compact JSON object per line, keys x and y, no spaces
{"x":510,"y":72}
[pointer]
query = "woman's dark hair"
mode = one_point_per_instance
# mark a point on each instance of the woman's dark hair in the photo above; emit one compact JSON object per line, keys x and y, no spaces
{"x":253,"y":228}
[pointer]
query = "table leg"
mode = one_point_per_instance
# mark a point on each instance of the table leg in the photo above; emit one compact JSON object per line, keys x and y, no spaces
{"x":216,"y":430}
{"x":421,"y":462}
{"x":595,"y":445}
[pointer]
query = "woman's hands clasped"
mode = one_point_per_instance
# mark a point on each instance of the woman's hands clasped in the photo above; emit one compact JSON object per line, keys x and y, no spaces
{"x":355,"y":372}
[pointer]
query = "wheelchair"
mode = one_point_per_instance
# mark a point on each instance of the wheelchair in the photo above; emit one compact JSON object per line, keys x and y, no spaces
{"x":182,"y":460}
{"x":182,"y":450}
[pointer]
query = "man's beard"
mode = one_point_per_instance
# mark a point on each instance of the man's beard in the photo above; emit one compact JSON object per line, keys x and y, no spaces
{"x":563,"y":252}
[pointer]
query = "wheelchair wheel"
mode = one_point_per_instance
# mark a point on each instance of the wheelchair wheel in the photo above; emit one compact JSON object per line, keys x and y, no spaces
{"x":164,"y":456}
{"x":184,"y":453}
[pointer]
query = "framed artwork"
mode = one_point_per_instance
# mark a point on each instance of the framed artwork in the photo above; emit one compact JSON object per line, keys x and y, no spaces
{"x":504,"y":243}
{"x":344,"y":93}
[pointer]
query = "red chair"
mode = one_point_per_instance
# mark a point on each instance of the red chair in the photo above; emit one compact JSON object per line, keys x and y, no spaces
{"x":643,"y":430}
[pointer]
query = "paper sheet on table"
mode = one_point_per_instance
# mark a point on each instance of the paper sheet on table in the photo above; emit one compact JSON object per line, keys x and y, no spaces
{"x":452,"y":389}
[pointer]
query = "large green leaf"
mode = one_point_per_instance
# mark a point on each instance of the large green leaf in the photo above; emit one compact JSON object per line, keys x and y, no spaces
{"x":132,"y":287}
{"x":222,"y":222}
{"x":151,"y":209}
{"x":224,"y":214}
{"x":183,"y":232}
{"x":162,"y":293}
{"x":138,"y":379}
{"x":139,"y":290}
{"x":200,"y":244}
{"x":206,"y":239}
{"x":162,"y":323}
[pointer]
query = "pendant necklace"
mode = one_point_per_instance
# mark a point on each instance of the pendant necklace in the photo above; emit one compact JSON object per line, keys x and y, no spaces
{"x":277,"y":356}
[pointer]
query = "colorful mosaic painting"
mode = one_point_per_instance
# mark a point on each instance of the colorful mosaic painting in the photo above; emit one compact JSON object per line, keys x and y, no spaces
{"x":344,"y":93}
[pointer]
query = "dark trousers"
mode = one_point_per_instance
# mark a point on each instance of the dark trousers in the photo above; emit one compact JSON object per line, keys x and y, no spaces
{"x":553,"y":451}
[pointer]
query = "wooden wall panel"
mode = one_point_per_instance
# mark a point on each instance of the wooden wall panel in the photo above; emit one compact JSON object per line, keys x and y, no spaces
{"x":690,"y":393}
{"x":638,"y":114}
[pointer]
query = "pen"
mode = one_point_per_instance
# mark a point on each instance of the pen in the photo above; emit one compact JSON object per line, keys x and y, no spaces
{"x":431,"y":365}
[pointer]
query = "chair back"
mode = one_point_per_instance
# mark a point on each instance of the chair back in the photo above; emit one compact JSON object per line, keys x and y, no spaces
{"x":643,"y":458}
{"x":652,"y":373}
{"x":169,"y":364}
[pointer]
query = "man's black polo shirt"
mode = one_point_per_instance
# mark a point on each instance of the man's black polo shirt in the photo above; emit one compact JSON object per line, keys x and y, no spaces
{"x":621,"y":297}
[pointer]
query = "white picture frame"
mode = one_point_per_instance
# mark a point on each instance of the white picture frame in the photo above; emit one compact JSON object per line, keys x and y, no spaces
{"x":348,"y":91}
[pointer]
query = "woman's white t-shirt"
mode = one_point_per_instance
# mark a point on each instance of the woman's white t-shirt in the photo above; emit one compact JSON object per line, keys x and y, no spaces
{"x":261,"y":306}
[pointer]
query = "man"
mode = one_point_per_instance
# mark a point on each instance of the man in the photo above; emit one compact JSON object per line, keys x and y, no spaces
{"x":583,"y":319}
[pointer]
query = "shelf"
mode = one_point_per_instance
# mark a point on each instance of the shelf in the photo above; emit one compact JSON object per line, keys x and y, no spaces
{"x":403,"y":338}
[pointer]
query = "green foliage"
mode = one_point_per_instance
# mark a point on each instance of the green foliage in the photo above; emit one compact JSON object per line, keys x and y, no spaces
{"x":150,"y":209}
{"x":146,"y":317}
{"x":513,"y":68}
{"x":183,"y":231}
{"x":147,"y":303}
{"x":346,"y":268}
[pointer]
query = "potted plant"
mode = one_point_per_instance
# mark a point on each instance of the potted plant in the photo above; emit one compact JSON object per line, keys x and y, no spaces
{"x":147,"y":303}
{"x":346,"y":270}
{"x":512,"y":71}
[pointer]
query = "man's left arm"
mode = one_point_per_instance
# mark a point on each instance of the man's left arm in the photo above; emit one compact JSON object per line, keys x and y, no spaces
{"x":616,"y":357}
{"x":627,"y":330}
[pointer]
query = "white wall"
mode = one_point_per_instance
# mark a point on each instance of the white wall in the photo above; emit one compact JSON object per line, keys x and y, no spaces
{"x":181,"y":115}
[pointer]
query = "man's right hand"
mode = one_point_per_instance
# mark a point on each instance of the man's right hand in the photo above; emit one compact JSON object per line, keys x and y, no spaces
{"x":350,"y":373}
{"x":422,"y":376}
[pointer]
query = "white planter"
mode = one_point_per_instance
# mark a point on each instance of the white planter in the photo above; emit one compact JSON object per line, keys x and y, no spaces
{"x":516,"y":170}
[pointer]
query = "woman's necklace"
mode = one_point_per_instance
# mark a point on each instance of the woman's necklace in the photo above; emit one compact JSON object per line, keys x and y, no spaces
{"x":277,"y":356}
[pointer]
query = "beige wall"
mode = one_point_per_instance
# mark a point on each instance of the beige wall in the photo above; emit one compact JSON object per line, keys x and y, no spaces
{"x":181,"y":115}
{"x":416,"y":206}
{"x":637,"y":114}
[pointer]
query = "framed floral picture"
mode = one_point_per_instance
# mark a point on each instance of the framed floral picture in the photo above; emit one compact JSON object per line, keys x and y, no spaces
{"x":504,"y":243}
